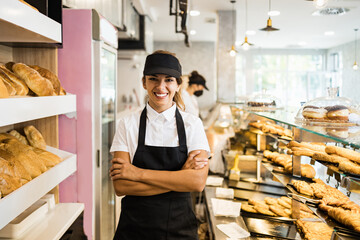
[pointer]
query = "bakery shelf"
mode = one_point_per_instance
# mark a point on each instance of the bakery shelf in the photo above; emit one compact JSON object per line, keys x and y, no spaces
{"x":22,"y":198}
{"x":21,"y":109}
{"x":55,"y":222}
{"x":20,"y":23}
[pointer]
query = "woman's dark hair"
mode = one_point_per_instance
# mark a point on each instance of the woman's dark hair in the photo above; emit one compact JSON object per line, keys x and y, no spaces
{"x":195,"y":78}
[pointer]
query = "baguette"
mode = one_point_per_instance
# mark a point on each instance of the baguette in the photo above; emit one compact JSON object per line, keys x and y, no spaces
{"x":8,"y":184}
{"x":19,"y":169}
{"x":48,"y":158}
{"x":39,"y":85}
{"x":329,"y":158}
{"x":3,"y":90}
{"x":20,"y":137}
{"x":34,"y":137}
{"x":343,"y":152}
{"x":19,"y":85}
{"x":313,"y":147}
{"x":50,"y":76}
{"x":11,"y":90}
{"x":349,"y":167}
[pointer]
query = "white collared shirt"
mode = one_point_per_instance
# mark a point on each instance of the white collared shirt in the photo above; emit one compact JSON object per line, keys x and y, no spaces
{"x":160,"y":131}
{"x":190,"y":101}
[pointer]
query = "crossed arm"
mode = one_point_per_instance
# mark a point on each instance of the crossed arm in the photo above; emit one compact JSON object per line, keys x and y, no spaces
{"x":131,"y":180}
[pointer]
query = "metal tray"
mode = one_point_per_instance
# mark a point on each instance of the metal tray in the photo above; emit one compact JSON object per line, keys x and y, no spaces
{"x":280,"y":191}
{"x":249,"y":194}
{"x":271,"y":228}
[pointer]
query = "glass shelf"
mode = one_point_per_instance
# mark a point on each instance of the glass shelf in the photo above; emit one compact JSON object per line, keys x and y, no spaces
{"x":348,"y":135}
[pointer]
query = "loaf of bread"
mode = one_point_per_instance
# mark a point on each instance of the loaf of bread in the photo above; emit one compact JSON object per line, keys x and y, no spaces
{"x":3,"y":90}
{"x":248,"y":208}
{"x":343,"y":152}
{"x":19,"y":85}
{"x":62,"y":91}
{"x":6,"y":167}
{"x":39,"y":85}
{"x":24,"y":154}
{"x":350,"y":219}
{"x":303,"y":187}
{"x":279,"y":210}
{"x":349,"y":167}
{"x":328,"y":158}
{"x":320,"y":190}
{"x":8,"y":184}
{"x":48,"y":158}
{"x":19,"y":169}
{"x":20,"y":137}
{"x":314,"y":230}
{"x":11,"y":90}
{"x":311,"y":146}
{"x":34,"y":137}
{"x":50,"y":76}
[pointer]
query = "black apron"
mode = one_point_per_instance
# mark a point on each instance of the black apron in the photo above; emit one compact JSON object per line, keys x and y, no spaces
{"x":167,"y":216}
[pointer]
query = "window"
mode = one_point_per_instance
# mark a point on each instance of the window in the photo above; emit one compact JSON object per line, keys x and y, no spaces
{"x":292,"y":78}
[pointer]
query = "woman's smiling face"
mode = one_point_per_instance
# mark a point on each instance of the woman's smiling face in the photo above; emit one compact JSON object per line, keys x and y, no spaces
{"x":161,"y":89}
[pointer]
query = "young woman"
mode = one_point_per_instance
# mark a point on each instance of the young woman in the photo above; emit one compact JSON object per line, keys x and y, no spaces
{"x":160,"y":156}
{"x":197,"y":84}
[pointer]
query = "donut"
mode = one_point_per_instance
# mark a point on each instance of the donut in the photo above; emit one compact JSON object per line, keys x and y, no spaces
{"x":338,"y":112}
{"x":313,"y":112}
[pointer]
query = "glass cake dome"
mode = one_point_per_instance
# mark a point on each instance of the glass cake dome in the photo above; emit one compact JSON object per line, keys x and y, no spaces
{"x":262,"y":102}
{"x":329,"y":111}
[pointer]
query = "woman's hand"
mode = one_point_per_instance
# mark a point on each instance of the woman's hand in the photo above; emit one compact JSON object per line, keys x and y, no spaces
{"x":123,"y":169}
{"x":194,"y":161}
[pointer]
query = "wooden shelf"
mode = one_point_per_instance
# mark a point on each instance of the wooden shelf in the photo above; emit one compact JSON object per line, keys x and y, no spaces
{"x":22,"y":109}
{"x":21,"y":23}
{"x":22,"y":198}
{"x":55,"y":222}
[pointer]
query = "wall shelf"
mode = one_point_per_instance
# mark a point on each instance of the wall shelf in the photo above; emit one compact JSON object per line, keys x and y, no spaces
{"x":20,"y":23}
{"x":22,"y":198}
{"x":22,"y":109}
{"x":55,"y":222}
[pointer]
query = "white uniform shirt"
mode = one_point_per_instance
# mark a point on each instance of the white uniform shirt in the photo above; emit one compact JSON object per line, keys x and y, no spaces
{"x":161,"y":131}
{"x":191,"y":104}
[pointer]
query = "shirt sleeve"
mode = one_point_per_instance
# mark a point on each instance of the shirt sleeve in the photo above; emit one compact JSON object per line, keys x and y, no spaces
{"x":120,"y":142}
{"x":197,"y":139}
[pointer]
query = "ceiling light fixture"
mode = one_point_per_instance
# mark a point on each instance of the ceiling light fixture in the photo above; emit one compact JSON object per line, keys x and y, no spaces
{"x":194,"y":13}
{"x":329,"y":33}
{"x":269,"y":27}
{"x":320,"y":3}
{"x":355,"y":66}
{"x":233,"y":51}
{"x":246,"y":45}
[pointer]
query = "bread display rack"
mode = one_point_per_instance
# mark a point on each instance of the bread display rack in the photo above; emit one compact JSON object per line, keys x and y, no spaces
{"x":348,"y":184}
{"x":21,"y":25}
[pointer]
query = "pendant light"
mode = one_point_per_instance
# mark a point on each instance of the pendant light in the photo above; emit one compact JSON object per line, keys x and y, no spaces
{"x":319,"y":3}
{"x":355,"y":66}
{"x":246,"y":45}
{"x":233,"y":51}
{"x":269,"y":27}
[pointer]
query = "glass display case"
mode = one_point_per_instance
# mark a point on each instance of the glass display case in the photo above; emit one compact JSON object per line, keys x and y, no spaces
{"x":262,"y":102}
{"x":330,"y":111}
{"x":332,"y":174}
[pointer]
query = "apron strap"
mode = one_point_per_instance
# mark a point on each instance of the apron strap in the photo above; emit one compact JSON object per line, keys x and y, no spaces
{"x":142,"y":128}
{"x":180,"y":128}
{"x":179,"y":125}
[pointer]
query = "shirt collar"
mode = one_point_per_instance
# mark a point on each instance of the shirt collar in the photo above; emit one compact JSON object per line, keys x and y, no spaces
{"x":167,"y":114}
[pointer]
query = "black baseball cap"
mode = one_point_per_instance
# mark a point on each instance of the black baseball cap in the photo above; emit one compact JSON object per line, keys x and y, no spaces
{"x":196,"y":78}
{"x":161,"y":63}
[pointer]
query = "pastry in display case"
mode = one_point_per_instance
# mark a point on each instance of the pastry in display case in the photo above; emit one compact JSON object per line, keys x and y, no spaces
{"x":330,"y":111}
{"x":262,"y":102}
